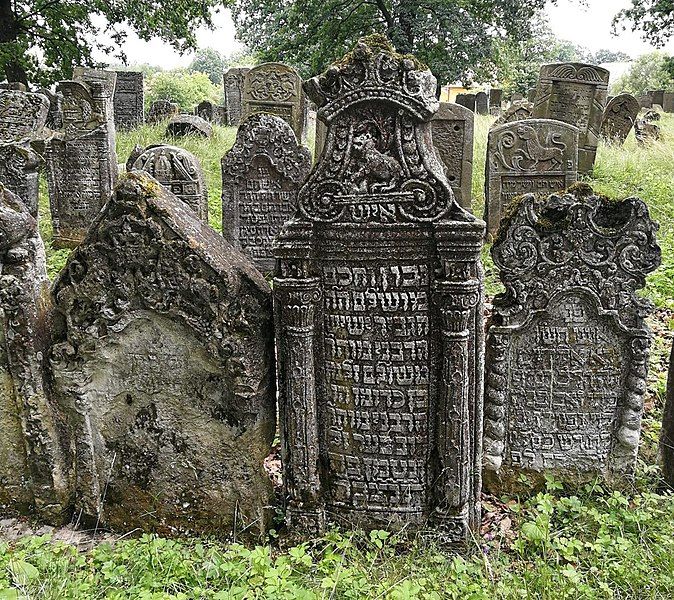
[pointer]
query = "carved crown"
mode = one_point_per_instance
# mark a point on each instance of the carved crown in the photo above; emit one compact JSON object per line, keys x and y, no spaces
{"x":373,"y":70}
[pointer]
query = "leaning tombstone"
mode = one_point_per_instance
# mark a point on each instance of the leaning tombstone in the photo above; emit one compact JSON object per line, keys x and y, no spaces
{"x":233,"y":84}
{"x":646,"y":132}
{"x":163,"y":365}
{"x":517,"y":111}
{"x":129,"y":100}
{"x":619,"y":118}
{"x":275,"y":89}
{"x":261,"y":176}
{"x":453,"y":127}
{"x":33,"y":472}
{"x":380,"y":299}
{"x":179,"y":171}
{"x":466,"y":100}
{"x":538,"y":156}
{"x":182,"y":125}
{"x":160,"y":110}
{"x":481,"y":103}
{"x":567,"y":347}
{"x":574,"y":93}
{"x":81,"y":160}
{"x":667,"y":433}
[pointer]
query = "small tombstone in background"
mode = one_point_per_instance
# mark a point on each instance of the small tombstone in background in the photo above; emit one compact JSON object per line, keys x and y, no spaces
{"x":567,"y":346}
{"x":276,"y":89}
{"x":466,"y":100}
{"x":33,"y":472}
{"x":179,"y":171}
{"x":161,"y":110}
{"x":205,"y":110}
{"x":453,"y":129}
{"x":182,"y":125}
{"x":495,"y":98}
{"x":645,"y":101}
{"x":668,"y":102}
{"x":646,"y":131}
{"x":219,"y":114}
{"x":619,"y":118}
{"x":233,"y":87}
{"x":657,"y":96}
{"x":163,"y":366}
{"x":261,"y":176}
{"x":537,"y":156}
{"x":667,"y":433}
{"x":81,"y":160}
{"x":129,"y":100}
{"x":517,"y":111}
{"x":482,"y":103}
{"x":574,"y":93}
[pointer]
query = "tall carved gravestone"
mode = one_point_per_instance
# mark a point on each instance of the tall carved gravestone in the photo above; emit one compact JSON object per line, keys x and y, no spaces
{"x":379,"y":297}
{"x":129,"y":100}
{"x":179,"y":171}
{"x":667,"y":433}
{"x":81,"y":159}
{"x":619,"y":118}
{"x":574,"y":93}
{"x":163,"y":364}
{"x":481,"y":103}
{"x":567,"y":347}
{"x":275,"y":89}
{"x":33,"y":475}
{"x":233,"y":83}
{"x":538,"y":156}
{"x":22,"y":119}
{"x":453,"y":127}
{"x":261,"y":176}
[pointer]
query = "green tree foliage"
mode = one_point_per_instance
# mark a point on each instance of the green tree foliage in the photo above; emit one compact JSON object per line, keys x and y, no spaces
{"x":648,"y":72}
{"x":184,"y":88}
{"x":457,"y":39}
{"x":209,"y":61}
{"x":42,"y":40}
{"x":654,"y":18}
{"x":606,"y":56}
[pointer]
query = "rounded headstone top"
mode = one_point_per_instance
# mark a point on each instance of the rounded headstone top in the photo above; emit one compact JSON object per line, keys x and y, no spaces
{"x":184,"y":124}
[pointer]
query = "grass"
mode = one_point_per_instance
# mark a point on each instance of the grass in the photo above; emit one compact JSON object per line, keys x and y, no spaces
{"x":560,"y":544}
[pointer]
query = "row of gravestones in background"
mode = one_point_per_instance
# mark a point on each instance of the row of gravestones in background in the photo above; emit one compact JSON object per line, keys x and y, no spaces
{"x":378,"y":296}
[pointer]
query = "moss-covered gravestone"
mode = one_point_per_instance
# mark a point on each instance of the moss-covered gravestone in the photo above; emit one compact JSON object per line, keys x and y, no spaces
{"x":619,"y":117}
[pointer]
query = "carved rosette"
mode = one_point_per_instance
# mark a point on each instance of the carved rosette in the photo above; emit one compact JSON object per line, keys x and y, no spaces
{"x":585,"y":257}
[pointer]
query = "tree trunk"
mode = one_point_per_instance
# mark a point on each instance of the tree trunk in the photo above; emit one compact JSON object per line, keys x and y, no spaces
{"x":9,"y":32}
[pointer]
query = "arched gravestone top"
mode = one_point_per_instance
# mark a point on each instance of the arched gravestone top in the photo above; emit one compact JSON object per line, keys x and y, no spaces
{"x":163,"y":366}
{"x":576,"y":94}
{"x":179,"y":171}
{"x":567,"y":347}
{"x":619,"y":118}
{"x":261,"y":176}
{"x":182,"y":125}
{"x":22,"y":116}
{"x":379,"y":295}
{"x":481,"y":103}
{"x":276,"y":89}
{"x":538,"y":156}
{"x":517,"y":111}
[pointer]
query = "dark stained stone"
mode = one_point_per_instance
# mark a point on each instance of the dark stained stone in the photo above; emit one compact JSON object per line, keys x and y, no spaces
{"x":129,"y":100}
{"x":536,"y":156}
{"x":379,"y":295}
{"x":33,"y":476}
{"x":619,"y":117}
{"x":466,"y":100}
{"x":54,"y":120}
{"x":667,"y":433}
{"x":161,"y":110}
{"x":453,"y":128}
{"x":182,"y":125}
{"x":205,"y":110}
{"x":233,"y":84}
{"x":668,"y":102}
{"x":481,"y":103}
{"x":275,"y":89}
{"x":163,"y":364}
{"x":261,"y":176}
{"x":81,"y":160}
{"x":567,"y":346}
{"x":19,"y":173}
{"x":495,"y":97}
{"x":657,"y":96}
{"x":179,"y":171}
{"x":22,"y":116}
{"x":517,"y":111}
{"x":576,"y":94}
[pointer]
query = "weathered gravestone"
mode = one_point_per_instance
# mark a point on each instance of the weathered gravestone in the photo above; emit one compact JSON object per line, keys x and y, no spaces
{"x":19,"y":172}
{"x":668,"y":102}
{"x":129,"y":100}
{"x":645,"y":101}
{"x":516,"y":97}
{"x":205,"y":109}
{"x":182,"y":125}
{"x":276,"y":89}
{"x":233,"y":83}
{"x":657,"y":96}
{"x":574,"y":93}
{"x":646,"y":132}
{"x":179,"y":171}
{"x":379,"y":294}
{"x":453,"y":126}
{"x":466,"y":100}
{"x":261,"y":176}
{"x":81,"y":159}
{"x":567,"y":348}
{"x":163,"y":363}
{"x":54,"y":119}
{"x":481,"y":103}
{"x":538,"y":156}
{"x":619,"y":118}
{"x":531,"y":95}
{"x":667,"y":433}
{"x":161,"y":110}
{"x":495,"y":98}
{"x":33,"y":476}
{"x":517,"y":111}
